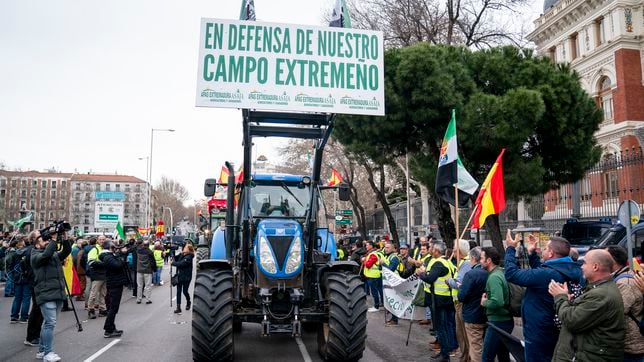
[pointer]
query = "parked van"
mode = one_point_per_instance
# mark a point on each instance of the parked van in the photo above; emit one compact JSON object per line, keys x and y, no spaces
{"x":617,"y":236}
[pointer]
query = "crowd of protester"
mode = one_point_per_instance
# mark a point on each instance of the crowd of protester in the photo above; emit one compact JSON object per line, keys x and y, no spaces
{"x":570,"y":309}
{"x":31,"y":266}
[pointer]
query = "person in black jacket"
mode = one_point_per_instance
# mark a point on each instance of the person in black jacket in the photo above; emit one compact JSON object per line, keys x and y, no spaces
{"x":115,"y":268}
{"x":35,"y":316}
{"x":183,"y":263}
{"x":47,"y":264}
{"x":469,"y":294}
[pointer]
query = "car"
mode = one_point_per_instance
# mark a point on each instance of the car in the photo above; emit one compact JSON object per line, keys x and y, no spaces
{"x":617,"y":236}
{"x":583,"y":234}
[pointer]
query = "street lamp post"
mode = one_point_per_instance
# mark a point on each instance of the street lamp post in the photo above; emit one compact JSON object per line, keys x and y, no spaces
{"x":150,"y":171}
{"x":147,"y":180}
{"x":171,"y":218}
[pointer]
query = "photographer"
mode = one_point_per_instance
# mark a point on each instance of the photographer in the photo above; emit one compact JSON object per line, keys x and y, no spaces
{"x":115,"y":263}
{"x":49,"y":286}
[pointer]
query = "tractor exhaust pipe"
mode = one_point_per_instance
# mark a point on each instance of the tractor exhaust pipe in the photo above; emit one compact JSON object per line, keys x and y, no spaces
{"x":230,"y":211}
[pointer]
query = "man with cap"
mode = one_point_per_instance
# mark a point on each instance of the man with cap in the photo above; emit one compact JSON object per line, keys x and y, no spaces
{"x":406,"y":267}
{"x":115,"y":264}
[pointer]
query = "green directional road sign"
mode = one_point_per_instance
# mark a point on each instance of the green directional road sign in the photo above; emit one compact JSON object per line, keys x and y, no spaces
{"x":344,"y":222}
{"x":344,"y":212}
{"x":110,"y":217}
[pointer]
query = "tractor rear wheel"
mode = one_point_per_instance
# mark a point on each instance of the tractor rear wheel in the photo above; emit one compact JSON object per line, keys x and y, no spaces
{"x":203,"y":252}
{"x":343,"y":337}
{"x":212,"y":316}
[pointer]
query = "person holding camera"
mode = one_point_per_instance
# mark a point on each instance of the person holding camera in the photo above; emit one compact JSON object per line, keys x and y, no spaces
{"x":114,"y":260}
{"x":47,"y":265}
{"x":183,"y":263}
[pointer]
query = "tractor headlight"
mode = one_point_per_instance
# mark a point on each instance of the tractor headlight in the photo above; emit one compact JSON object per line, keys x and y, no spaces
{"x":294,"y":257}
{"x":266,"y":258}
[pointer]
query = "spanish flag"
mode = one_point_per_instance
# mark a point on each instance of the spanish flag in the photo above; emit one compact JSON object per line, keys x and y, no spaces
{"x":71,"y":278}
{"x":491,"y":198}
{"x":335,"y":177}
{"x":223,"y":176}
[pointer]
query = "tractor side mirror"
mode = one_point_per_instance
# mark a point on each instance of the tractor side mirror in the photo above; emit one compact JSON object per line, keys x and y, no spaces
{"x":343,"y":192}
{"x":209,"y":187}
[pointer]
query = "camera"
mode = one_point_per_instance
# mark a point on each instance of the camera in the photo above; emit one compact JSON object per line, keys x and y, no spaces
{"x":56,"y":228}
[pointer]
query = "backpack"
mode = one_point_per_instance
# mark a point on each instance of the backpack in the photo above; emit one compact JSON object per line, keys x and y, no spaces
{"x":640,"y":323}
{"x":516,"y":293}
{"x":17,"y":270}
{"x":130,"y":260}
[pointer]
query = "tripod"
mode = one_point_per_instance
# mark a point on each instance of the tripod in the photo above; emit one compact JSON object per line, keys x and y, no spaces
{"x":71,"y":302}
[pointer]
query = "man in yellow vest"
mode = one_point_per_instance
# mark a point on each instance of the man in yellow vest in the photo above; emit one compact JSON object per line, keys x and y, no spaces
{"x":371,"y":270}
{"x":435,"y":276}
{"x":462,"y":267}
{"x":423,"y":259}
{"x":390,"y":261}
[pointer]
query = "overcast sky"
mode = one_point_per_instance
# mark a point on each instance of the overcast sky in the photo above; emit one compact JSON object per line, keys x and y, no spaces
{"x":82,"y":83}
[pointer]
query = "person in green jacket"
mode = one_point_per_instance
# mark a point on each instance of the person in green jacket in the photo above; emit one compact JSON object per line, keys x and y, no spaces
{"x":495,"y":300}
{"x":593,"y":324}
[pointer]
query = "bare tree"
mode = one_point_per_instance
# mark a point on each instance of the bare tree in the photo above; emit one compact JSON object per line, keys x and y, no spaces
{"x":473,"y":23}
{"x":170,"y":193}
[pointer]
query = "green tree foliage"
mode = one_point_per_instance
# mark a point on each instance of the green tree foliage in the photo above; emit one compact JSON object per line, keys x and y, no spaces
{"x":504,"y":97}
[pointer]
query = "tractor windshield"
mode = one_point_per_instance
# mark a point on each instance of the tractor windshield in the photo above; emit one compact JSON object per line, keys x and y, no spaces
{"x":279,"y":200}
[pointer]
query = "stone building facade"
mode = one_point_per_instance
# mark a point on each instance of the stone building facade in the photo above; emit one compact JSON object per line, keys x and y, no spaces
{"x":53,"y":196}
{"x":603,"y":41}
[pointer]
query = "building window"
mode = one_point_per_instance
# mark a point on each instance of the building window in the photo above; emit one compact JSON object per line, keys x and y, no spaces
{"x":610,"y":184}
{"x":574,"y":46}
{"x":23,"y":183}
{"x":78,"y":186}
{"x":98,"y":186}
{"x":86,"y":220}
{"x":34,"y":183}
{"x":23,"y":193}
{"x":2,"y":193}
{"x":43,"y":194}
{"x":14,"y":183}
{"x":600,"y":36}
{"x":53,"y":194}
{"x":107,"y":187}
{"x":605,"y":96}
{"x":52,"y":203}
{"x":53,"y":184}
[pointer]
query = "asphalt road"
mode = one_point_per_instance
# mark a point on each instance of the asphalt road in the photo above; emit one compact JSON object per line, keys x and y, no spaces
{"x":154,"y":333}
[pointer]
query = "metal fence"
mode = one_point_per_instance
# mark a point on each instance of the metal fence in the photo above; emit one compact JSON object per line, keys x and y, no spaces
{"x":617,"y":177}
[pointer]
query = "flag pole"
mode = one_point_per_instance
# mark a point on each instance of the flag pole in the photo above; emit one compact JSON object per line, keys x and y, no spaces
{"x":456,"y":242}
{"x":469,"y":220}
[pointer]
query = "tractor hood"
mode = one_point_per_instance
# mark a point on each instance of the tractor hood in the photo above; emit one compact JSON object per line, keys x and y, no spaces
{"x":279,"y":248}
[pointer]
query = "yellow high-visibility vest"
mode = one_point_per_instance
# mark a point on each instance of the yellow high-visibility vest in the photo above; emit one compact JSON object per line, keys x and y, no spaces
{"x":374,"y":271}
{"x":440,"y":285}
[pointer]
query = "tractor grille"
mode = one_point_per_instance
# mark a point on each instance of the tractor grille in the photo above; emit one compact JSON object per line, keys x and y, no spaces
{"x":280,"y":245}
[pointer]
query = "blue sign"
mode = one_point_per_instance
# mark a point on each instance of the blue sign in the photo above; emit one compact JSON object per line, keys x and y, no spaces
{"x":110,"y":195}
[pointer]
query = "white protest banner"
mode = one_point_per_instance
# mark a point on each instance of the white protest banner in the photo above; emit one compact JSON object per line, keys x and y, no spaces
{"x":285,"y":67}
{"x":399,"y":294}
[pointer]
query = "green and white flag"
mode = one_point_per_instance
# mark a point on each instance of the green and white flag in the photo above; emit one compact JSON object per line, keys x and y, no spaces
{"x":20,"y":222}
{"x":340,"y":15}
{"x":119,"y":230}
{"x":247,"y":11}
{"x":451,"y":170}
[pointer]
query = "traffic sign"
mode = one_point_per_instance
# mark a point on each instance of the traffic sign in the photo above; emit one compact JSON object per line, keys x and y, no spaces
{"x":348,"y":212}
{"x":628,"y":213}
{"x":338,"y":217}
{"x":344,"y":222}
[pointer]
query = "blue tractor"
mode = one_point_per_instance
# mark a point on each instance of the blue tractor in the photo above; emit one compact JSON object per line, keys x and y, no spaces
{"x":273,"y":264}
